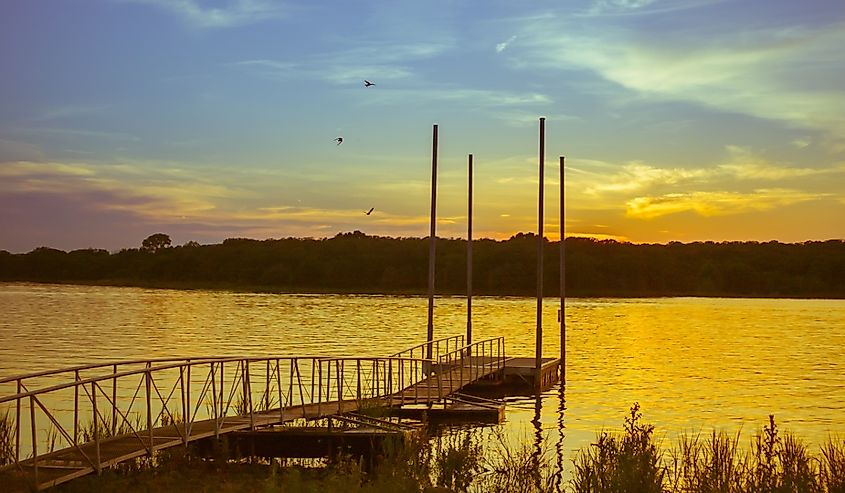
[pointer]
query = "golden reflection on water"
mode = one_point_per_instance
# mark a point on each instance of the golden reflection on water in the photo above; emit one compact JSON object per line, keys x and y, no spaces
{"x":692,"y":363}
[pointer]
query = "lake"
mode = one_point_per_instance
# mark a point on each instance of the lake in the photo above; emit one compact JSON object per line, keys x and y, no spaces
{"x":693,"y":364}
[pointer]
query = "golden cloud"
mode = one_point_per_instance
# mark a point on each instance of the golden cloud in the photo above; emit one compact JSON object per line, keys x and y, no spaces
{"x":714,"y":203}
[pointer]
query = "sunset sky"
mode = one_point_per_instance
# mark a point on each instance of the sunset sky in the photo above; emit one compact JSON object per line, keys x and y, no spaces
{"x":681,"y":120}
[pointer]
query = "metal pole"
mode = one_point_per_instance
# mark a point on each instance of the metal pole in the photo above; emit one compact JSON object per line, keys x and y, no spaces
{"x":148,"y":377}
{"x":469,"y":250}
{"x":114,"y":403}
{"x":432,"y":240}
{"x":35,"y":436}
{"x":184,"y":406}
{"x":214,"y":400}
{"x":18,"y":423}
{"x":76,"y":409}
{"x":562,"y":275}
{"x":538,"y":345}
{"x":188,"y":418}
{"x":97,"y":427}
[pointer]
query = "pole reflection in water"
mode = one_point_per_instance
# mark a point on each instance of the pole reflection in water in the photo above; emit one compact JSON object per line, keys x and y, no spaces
{"x":538,"y":441}
{"x":561,"y":410}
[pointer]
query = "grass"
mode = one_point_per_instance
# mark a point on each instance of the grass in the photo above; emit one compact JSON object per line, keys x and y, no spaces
{"x":629,"y":461}
{"x":7,"y":452}
{"x":776,"y":463}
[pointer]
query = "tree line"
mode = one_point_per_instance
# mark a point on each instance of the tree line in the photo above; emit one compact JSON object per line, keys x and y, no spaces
{"x":359,"y":263}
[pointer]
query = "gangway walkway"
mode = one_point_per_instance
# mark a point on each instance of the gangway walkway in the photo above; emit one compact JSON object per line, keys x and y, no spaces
{"x":67,"y":423}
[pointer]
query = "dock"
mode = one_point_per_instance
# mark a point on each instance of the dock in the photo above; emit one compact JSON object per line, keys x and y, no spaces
{"x":104,"y":414}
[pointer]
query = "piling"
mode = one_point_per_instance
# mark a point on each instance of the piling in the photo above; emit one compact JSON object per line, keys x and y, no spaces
{"x":469,"y":250}
{"x":538,"y":347}
{"x":562,"y":275}
{"x":432,"y":240}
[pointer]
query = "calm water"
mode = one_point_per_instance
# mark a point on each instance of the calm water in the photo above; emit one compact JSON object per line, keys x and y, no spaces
{"x":693,"y":364}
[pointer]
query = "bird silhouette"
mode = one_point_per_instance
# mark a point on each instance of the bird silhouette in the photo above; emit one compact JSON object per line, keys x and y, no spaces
{"x":368,"y":83}
{"x":370,"y":211}
{"x":339,"y":140}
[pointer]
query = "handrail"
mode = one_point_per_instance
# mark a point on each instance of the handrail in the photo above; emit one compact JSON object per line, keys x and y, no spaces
{"x":422,"y":345}
{"x":91,"y":366}
{"x":266,"y":389}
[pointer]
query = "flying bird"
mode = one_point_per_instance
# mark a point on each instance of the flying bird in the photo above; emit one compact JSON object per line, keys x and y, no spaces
{"x":339,"y":140}
{"x":368,"y":83}
{"x":370,"y":211}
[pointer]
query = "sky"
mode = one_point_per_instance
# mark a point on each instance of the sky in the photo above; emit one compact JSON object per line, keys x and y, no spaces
{"x":680,"y":120}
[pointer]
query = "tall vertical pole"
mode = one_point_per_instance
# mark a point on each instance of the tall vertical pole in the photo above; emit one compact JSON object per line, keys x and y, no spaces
{"x":432,"y":241}
{"x":562,"y":275}
{"x":538,"y":345}
{"x":469,"y":250}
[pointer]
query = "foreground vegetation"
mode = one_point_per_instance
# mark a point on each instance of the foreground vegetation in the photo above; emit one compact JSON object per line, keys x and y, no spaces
{"x":629,"y":461}
{"x":357,"y":263}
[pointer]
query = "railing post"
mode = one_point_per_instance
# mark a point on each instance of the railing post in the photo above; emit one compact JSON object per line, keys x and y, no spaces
{"x":222,"y":386}
{"x":189,"y":420}
{"x":390,"y":381}
{"x":76,"y":409}
{"x":328,"y":381}
{"x":319,"y":387}
{"x":279,"y":385}
{"x":215,"y":414}
{"x":375,"y":389}
{"x":248,"y":388}
{"x":18,"y":423}
{"x":402,"y":381}
{"x":339,"y":368}
{"x":96,"y":427}
{"x":439,"y":374}
{"x":184,"y":409}
{"x":114,"y":402}
{"x":291,"y":362}
{"x":267,"y":388}
{"x":148,"y":377}
{"x":358,"y":369}
{"x":34,"y":438}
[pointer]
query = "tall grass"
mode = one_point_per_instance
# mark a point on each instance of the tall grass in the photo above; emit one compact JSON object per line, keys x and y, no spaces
{"x":473,"y":460}
{"x":7,"y":434}
{"x":618,"y":463}
{"x":776,"y":463}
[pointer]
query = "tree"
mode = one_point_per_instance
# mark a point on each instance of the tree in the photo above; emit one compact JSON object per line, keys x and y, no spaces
{"x":155,"y":242}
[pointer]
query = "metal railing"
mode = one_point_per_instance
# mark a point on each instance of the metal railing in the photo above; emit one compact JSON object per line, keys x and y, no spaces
{"x":473,"y":362}
{"x":438,"y":347}
{"x":158,"y":403}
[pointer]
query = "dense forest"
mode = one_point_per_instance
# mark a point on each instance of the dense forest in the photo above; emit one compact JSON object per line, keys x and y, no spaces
{"x":358,"y":263}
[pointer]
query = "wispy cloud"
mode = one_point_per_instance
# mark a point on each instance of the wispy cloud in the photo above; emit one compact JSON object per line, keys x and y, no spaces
{"x":232,"y":13}
{"x":78,"y":132}
{"x":67,"y":111}
{"x":644,"y":7}
{"x":170,"y":193}
{"x":715,"y":203}
{"x":500,"y":47}
{"x":759,"y":71}
{"x":741,"y":168}
{"x":369,"y":61}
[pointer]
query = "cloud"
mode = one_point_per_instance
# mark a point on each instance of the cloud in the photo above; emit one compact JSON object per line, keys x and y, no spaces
{"x":757,"y":71}
{"x":376,"y":62}
{"x":15,"y":150}
{"x":192,"y":200}
{"x":715,"y":203}
{"x":741,"y":167}
{"x":644,"y":7}
{"x":638,"y":176}
{"x":67,"y":111}
{"x":500,"y":47}
{"x":233,"y":12}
